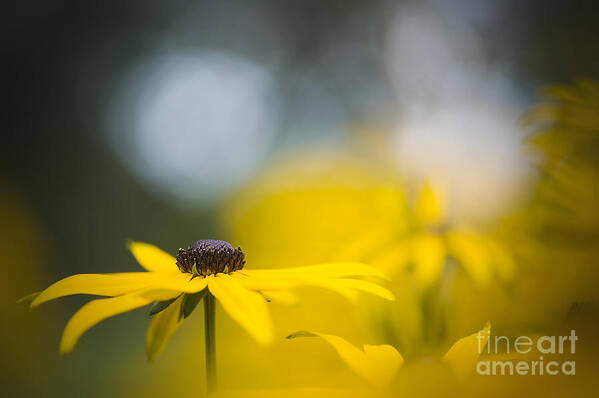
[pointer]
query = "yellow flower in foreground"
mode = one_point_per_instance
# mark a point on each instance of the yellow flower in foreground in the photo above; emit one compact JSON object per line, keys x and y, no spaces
{"x":207,"y":267}
{"x":378,"y":364}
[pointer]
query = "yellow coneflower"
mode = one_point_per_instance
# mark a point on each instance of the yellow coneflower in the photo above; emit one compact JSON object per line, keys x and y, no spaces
{"x":211,"y":270}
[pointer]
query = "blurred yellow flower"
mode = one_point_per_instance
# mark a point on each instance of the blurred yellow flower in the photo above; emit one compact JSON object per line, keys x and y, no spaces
{"x":566,"y":122}
{"x":178,"y":284}
{"x":378,"y":364}
{"x":566,"y":134}
{"x":555,"y":234}
{"x":341,"y":206}
{"x":311,"y":205}
{"x":432,"y":239}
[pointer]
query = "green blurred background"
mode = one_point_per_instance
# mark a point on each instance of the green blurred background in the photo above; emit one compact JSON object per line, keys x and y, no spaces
{"x":295,"y":130}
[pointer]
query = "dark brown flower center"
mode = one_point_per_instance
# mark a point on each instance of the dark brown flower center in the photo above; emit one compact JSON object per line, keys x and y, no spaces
{"x":210,"y":256}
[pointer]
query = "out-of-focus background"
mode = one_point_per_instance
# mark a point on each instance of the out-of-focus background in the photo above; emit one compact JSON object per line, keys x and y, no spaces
{"x":304,"y":131}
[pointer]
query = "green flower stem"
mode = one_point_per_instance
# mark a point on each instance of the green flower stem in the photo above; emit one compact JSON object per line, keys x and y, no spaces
{"x":209,"y":333}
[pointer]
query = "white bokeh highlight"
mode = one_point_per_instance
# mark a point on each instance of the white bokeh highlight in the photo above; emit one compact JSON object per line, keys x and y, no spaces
{"x":457,"y":122}
{"x":193,"y":125}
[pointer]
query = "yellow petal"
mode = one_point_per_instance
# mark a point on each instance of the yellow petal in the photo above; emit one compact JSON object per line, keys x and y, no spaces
{"x":462,"y":356}
{"x":97,"y":284}
{"x":365,"y":287}
{"x":161,"y":328}
{"x":94,"y":312}
{"x":259,"y":283}
{"x":247,"y":308}
{"x":151,"y":294}
{"x":348,"y":288}
{"x":180,"y":282}
{"x":273,"y":284}
{"x":158,"y":294}
{"x":152,"y":258}
{"x":377,"y":364}
{"x":280,"y":296}
{"x":430,"y":206}
{"x":350,"y":295}
{"x":428,"y":255}
{"x":349,"y":285}
{"x":387,"y":359}
{"x":328,"y":270}
{"x":29,"y":298}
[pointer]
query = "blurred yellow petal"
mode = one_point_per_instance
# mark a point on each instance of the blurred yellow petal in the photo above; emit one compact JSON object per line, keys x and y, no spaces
{"x":387,"y":359}
{"x":463,"y":355}
{"x":94,"y":312}
{"x":377,"y":364}
{"x":430,"y":205}
{"x":247,"y":308}
{"x":472,"y":254}
{"x":503,"y":260}
{"x":564,"y":93}
{"x":365,"y":243}
{"x":152,"y":258}
{"x":393,"y":259}
{"x":428,"y":256}
{"x":339,"y":269}
{"x":97,"y":284}
{"x":161,"y":328}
